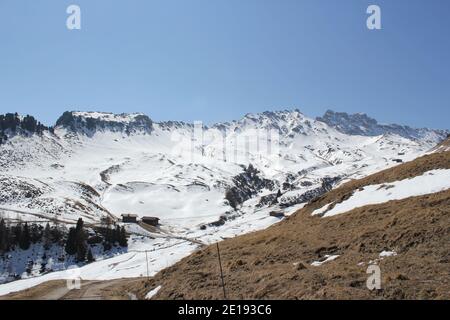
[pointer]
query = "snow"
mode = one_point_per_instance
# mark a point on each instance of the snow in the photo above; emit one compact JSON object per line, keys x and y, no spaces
{"x":322,"y":210}
{"x":167,"y":175}
{"x":388,"y":254}
{"x":430,"y":182}
{"x":107,"y":116}
{"x":328,"y":259}
{"x":152,"y":293}
{"x":159,"y":253}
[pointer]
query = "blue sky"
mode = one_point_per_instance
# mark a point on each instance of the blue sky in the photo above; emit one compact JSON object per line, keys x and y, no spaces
{"x":215,"y":60}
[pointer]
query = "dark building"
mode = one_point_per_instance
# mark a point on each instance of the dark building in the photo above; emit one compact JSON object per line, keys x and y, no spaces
{"x":153,"y":221}
{"x":276,"y":214}
{"x":129,"y":218}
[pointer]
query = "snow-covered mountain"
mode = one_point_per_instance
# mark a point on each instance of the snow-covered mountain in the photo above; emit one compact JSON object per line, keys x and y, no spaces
{"x":94,"y":164}
{"x":361,"y":124}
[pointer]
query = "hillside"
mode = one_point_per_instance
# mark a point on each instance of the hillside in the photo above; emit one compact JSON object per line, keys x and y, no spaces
{"x":407,"y":238}
{"x":443,"y":146}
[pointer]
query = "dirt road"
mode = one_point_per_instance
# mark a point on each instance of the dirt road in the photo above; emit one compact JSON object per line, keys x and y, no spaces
{"x":89,"y":290}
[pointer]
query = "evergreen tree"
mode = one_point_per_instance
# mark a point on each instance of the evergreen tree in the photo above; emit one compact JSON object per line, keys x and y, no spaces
{"x":35,"y":233}
{"x":47,"y":237}
{"x":81,"y":251}
{"x":17,"y":234}
{"x":24,"y":239}
{"x":4,"y":235}
{"x":71,"y":246}
{"x":123,"y":242}
{"x":117,"y":236}
{"x":80,"y":241}
{"x":232,"y":198}
{"x":80,"y":224}
{"x":90,"y":257}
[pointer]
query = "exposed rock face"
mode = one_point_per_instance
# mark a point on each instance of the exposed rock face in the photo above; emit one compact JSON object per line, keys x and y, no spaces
{"x":247,"y":184}
{"x":90,"y":122}
{"x":308,"y":196}
{"x":12,"y":124}
{"x":361,"y":124}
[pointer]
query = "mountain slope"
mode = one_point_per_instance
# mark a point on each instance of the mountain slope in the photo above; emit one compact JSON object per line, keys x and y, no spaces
{"x":407,"y":238}
{"x":93,"y":165}
{"x":361,"y":124}
{"x":125,"y":160}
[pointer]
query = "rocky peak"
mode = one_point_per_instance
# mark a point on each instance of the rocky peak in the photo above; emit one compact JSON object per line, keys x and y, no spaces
{"x":90,"y":122}
{"x":12,"y":124}
{"x":362,"y":124}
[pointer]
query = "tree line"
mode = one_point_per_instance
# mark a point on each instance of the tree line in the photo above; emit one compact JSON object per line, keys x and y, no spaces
{"x":22,"y":236}
{"x":76,"y":242}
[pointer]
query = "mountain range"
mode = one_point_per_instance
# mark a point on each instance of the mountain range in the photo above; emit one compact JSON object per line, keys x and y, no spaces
{"x":204,"y":183}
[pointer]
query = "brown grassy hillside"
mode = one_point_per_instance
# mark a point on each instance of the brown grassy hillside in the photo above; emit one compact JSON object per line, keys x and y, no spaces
{"x":276,"y":263}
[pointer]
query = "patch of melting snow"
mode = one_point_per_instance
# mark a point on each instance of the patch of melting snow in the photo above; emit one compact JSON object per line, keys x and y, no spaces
{"x":430,"y":182}
{"x":132,"y":296}
{"x":328,"y":258}
{"x":322,"y":210}
{"x":388,"y":254}
{"x":152,"y":293}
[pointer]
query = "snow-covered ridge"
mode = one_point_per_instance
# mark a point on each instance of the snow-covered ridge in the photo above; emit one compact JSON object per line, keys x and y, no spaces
{"x":89,"y":123}
{"x":361,"y":124}
{"x":108,"y":116}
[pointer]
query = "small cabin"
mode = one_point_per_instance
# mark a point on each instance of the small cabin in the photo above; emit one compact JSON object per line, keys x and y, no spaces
{"x":153,"y":221}
{"x":129,"y":218}
{"x":276,"y":214}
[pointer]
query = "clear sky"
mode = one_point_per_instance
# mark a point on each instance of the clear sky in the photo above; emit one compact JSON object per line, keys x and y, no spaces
{"x":215,"y":60}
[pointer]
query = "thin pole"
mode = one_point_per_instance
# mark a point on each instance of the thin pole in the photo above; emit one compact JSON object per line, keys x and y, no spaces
{"x":146,"y":260}
{"x":221,"y":272}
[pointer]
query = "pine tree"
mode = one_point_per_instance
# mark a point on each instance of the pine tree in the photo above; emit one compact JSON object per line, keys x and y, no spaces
{"x":232,"y":198}
{"x":24,"y":240}
{"x":17,"y":234}
{"x":80,"y":224}
{"x":3,"y":236}
{"x":90,"y":257}
{"x":71,"y":247}
{"x":47,"y":237}
{"x":117,"y":235}
{"x":123,"y":242}
{"x":80,"y":241}
{"x":81,"y":251}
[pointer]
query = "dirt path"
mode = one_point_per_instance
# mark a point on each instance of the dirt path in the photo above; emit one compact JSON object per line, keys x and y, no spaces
{"x":97,"y":290}
{"x":89,"y":290}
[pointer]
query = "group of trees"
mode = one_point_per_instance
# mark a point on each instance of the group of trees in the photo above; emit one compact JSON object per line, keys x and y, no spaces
{"x":22,"y":235}
{"x":12,"y":122}
{"x":76,"y":242}
{"x":113,"y":236}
